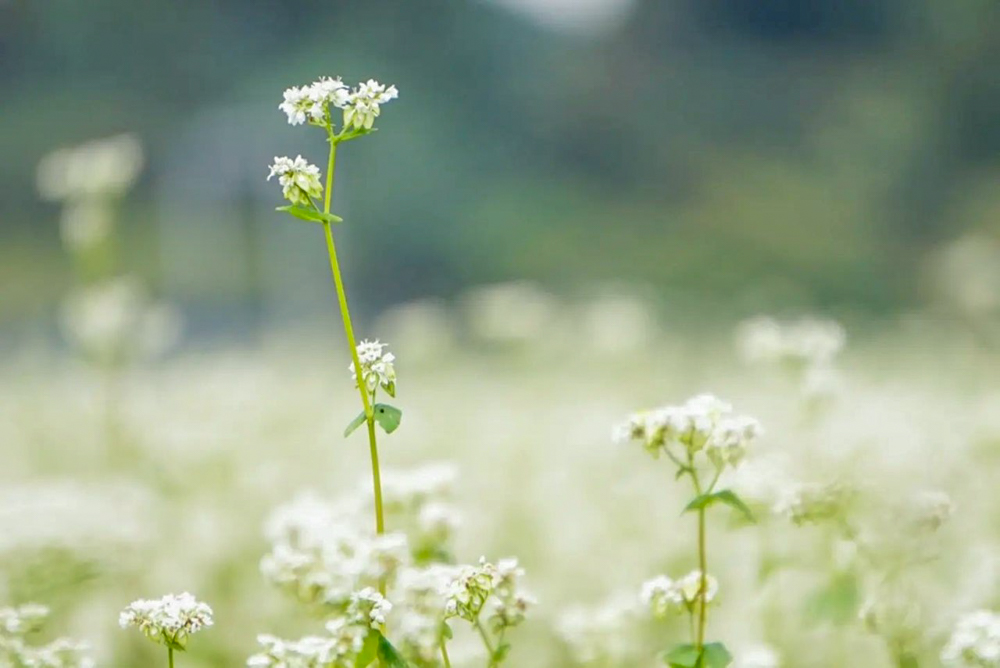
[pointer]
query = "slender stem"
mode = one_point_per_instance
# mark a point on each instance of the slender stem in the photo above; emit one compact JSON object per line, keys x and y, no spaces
{"x":345,"y":314}
{"x":486,"y":641}
{"x":170,"y":657}
{"x":444,"y":654}
{"x":699,"y":641}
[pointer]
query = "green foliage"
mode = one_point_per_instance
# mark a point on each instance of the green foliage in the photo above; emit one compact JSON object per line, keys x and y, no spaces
{"x":725,"y":496}
{"x":354,"y":424}
{"x":311,"y":215}
{"x":389,"y":654}
{"x":369,"y":651}
{"x":713,"y":655}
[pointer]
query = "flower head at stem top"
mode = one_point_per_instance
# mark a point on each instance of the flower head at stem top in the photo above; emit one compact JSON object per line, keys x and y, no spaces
{"x":361,"y":105}
{"x":300,"y":181}
{"x":169,"y":620}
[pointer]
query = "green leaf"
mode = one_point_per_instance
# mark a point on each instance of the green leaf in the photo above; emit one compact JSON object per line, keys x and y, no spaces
{"x":446,"y":631}
{"x":355,"y":423}
{"x":389,"y":654}
{"x":312,"y":215}
{"x":715,"y":655}
{"x":729,"y":498}
{"x":726,"y":496}
{"x":501,"y":653}
{"x":388,"y":417}
{"x":369,"y":651}
{"x":681,"y":656}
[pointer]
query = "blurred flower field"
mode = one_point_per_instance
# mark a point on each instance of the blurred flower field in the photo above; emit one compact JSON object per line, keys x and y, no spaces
{"x":163,"y":477}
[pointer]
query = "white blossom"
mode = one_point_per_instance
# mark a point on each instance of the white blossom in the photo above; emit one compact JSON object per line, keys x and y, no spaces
{"x":300,"y":181}
{"x":377,"y":367}
{"x":97,"y":169}
{"x":363,"y":105}
{"x":169,"y":620}
{"x":974,"y":642}
{"x":367,"y":606}
{"x":662,"y":594}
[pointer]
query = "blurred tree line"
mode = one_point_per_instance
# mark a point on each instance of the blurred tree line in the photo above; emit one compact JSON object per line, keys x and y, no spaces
{"x":812,"y":152}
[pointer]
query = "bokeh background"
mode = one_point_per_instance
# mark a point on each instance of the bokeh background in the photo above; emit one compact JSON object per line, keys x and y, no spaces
{"x":562,"y":218}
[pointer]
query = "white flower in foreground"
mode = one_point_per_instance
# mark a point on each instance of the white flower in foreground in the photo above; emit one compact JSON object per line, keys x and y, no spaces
{"x":363,"y":105}
{"x":368,"y":607}
{"x":377,"y":367}
{"x":297,"y":105}
{"x":169,"y":620}
{"x":975,"y":641}
{"x":311,"y":103}
{"x":299,"y":180}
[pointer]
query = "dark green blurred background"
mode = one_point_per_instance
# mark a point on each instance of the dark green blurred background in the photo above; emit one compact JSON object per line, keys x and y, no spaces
{"x":737,"y":154}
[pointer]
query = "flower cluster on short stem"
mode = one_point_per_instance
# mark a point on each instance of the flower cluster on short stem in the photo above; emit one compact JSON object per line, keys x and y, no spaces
{"x":169,"y":621}
{"x":702,"y":437}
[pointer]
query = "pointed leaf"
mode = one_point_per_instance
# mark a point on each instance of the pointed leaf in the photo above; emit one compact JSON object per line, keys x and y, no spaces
{"x":729,"y":498}
{"x":389,"y":654}
{"x":355,"y":423}
{"x":388,"y":417}
{"x":312,"y":215}
{"x":699,"y":502}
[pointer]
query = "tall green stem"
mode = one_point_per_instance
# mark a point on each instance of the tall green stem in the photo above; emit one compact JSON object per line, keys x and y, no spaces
{"x":444,"y":654}
{"x":486,"y":641}
{"x":170,"y":657}
{"x":345,"y":314}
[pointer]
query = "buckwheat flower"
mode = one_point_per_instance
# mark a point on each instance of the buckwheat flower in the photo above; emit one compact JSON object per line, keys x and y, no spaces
{"x":661,"y":595}
{"x":326,"y":92}
{"x":22,"y":620}
{"x":377,"y":367}
{"x":170,"y":620}
{"x":689,"y":587}
{"x":730,"y":440}
{"x":307,"y":652}
{"x":368,"y":607}
{"x":102,"y":168}
{"x":300,"y":181}
{"x":601,"y":634}
{"x":810,"y":503}
{"x":298,"y":104}
{"x":510,"y":601}
{"x":975,"y":641}
{"x":760,"y":656}
{"x":363,"y":105}
{"x":469,"y":589}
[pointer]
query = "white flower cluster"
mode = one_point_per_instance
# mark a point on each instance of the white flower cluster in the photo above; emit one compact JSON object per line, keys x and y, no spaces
{"x":299,"y":180}
{"x":360,"y":106}
{"x":339,"y":647}
{"x":811,"y":503}
{"x":169,"y":620}
{"x":100,"y":168}
{"x":322,"y":552}
{"x":808,"y":346}
{"x":704,"y":423}
{"x":117,"y":319}
{"x":377,"y":367}
{"x":975,"y":641}
{"x":931,"y":509}
{"x":368,"y":608}
{"x":471,"y":587}
{"x":419,"y":501}
{"x":663,"y":594}
{"x":17,"y":623}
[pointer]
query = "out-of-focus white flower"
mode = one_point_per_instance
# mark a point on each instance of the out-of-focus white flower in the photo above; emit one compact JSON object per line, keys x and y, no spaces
{"x":931,"y":509}
{"x":299,"y":180}
{"x":367,"y":606}
{"x":806,"y":342}
{"x":662,"y":594}
{"x":377,"y":367}
{"x":975,"y":641}
{"x":702,"y":421}
{"x":17,"y":623}
{"x":760,"y":656}
{"x":363,"y":105}
{"x":340,"y":647}
{"x":85,"y":224}
{"x":169,"y":620}
{"x":805,"y":503}
{"x":413,"y":488}
{"x":514,"y":312}
{"x":100,"y":168}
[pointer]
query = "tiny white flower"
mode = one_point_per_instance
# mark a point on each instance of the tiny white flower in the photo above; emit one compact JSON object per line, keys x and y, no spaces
{"x":297,"y":104}
{"x":377,"y":366}
{"x":975,"y":641}
{"x":170,"y":620}
{"x":369,"y":607}
{"x":363,"y":105}
{"x":300,"y":181}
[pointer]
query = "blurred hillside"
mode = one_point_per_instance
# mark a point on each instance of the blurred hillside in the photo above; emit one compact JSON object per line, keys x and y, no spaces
{"x":757,"y":153}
